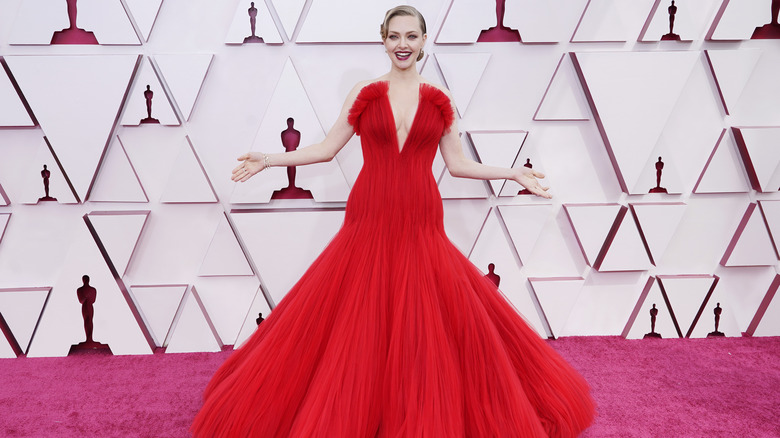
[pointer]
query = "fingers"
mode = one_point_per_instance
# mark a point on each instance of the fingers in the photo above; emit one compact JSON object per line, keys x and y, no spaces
{"x":537,"y":174}
{"x":244,"y":157}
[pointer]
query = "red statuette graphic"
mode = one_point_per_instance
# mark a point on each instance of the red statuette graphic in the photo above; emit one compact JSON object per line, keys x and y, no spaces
{"x":72,"y":34}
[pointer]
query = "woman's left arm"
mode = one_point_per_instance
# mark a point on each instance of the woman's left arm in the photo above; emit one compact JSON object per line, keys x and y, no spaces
{"x":461,"y":166}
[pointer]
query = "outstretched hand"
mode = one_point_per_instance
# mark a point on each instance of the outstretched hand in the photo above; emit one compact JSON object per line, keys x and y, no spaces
{"x":252,"y":163}
{"x":528,"y":178}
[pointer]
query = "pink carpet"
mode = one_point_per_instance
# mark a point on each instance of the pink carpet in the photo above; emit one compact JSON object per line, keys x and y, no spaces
{"x":650,"y":388}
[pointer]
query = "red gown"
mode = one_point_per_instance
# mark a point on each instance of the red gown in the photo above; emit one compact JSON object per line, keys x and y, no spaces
{"x":392,"y":332}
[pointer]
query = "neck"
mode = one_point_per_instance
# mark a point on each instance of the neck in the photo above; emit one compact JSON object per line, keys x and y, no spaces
{"x":407,"y":75}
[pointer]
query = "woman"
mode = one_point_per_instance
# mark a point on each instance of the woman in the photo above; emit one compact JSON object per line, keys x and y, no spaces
{"x":392,"y":332}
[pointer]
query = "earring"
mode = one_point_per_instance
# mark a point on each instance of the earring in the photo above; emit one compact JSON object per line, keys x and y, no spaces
{"x":420,"y":56}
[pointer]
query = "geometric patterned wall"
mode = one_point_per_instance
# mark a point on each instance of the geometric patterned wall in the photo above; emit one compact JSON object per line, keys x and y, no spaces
{"x":183,"y":258}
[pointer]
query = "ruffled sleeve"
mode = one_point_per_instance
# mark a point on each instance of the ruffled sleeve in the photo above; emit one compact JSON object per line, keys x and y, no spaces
{"x":367,"y":94}
{"x":442,"y":102}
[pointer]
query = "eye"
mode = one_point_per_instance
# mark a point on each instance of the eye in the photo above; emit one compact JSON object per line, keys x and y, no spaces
{"x":412,"y":37}
{"x":393,"y":37}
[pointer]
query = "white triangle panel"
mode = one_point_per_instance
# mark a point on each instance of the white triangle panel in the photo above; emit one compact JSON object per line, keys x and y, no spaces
{"x":742,"y":293}
{"x":33,"y":183}
{"x":542,"y":21}
{"x":592,"y":223}
{"x":107,"y":19}
{"x":691,"y":20}
{"x":498,"y":149}
{"x":463,"y":220}
{"x":135,"y":108}
{"x":769,"y":325}
{"x":770,"y":210}
{"x":462,"y":73}
{"x":21,"y":308}
{"x":117,"y":180}
{"x":464,"y":21}
{"x":739,"y":19}
{"x":12,"y":110}
{"x":158,"y":305}
{"x":557,"y":296}
{"x":605,"y":303}
{"x":258,"y":308}
{"x":119,"y":232}
{"x":658,"y":222}
{"x":6,"y":351}
{"x":626,"y":251}
{"x":451,"y":187}
{"x":224,"y":256}
{"x":687,"y":294}
{"x":727,"y":324}
{"x":241,"y":26}
{"x":611,"y":20}
{"x":61,"y":324}
{"x":192,"y":331}
{"x":296,"y":239}
{"x":53,"y":84}
{"x":326,"y":181}
{"x":289,"y":12}
{"x":761,"y":156}
{"x":227,"y":301}
{"x":493,"y":246}
{"x":184,"y":75}
{"x":144,"y":13}
{"x":188,"y":181}
{"x":732,"y":70}
{"x":641,"y":323}
{"x":751,"y":244}
{"x":649,"y":86}
{"x":564,"y":98}
{"x":723,"y":172}
{"x":4,"y":219}
{"x":525,"y":224}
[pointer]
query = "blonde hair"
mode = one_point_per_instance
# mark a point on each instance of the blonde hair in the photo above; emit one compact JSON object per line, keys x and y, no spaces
{"x":402,"y":11}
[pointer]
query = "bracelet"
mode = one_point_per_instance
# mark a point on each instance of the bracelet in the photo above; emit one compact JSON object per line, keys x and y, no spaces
{"x":266,"y":162}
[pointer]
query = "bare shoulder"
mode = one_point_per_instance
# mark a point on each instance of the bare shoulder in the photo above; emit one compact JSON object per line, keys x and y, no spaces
{"x":441,"y":88}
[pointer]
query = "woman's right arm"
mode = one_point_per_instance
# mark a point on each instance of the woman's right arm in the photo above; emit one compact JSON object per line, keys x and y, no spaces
{"x":337,"y":137}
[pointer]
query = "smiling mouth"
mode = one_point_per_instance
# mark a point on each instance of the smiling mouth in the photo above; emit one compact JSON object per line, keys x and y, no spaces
{"x":403,"y":55}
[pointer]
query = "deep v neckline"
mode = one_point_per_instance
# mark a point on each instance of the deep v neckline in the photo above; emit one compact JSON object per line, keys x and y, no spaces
{"x":398,"y":146}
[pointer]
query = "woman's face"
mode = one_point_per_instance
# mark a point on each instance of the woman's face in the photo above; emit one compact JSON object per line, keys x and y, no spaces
{"x":404,"y":41}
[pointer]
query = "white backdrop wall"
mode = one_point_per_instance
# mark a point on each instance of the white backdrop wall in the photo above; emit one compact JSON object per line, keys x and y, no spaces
{"x":185,"y":259}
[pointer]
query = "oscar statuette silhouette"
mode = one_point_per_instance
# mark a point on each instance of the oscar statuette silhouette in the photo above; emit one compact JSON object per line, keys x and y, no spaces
{"x":291,"y":138}
{"x":653,"y":316}
{"x":46,"y":174}
{"x":492,"y":276}
{"x":148,"y":95}
{"x":525,"y":191}
{"x":717,"y":311}
{"x":659,"y":169}
{"x":499,"y":32}
{"x":87,"y":296}
{"x":253,"y":25}
{"x":769,"y":31}
{"x":671,"y":36}
{"x":73,"y":34}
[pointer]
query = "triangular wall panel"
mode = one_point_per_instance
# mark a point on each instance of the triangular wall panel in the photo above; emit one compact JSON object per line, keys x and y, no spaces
{"x":192,"y":331}
{"x":258,"y":308}
{"x":557,"y":296}
{"x":4,"y":219}
{"x":119,"y":233}
{"x":188,"y":181}
{"x":592,"y":224}
{"x":611,"y":20}
{"x":184,"y":76}
{"x":463,"y":221}
{"x":227,"y":301}
{"x":136,"y":110}
{"x":158,"y":304}
{"x":33,"y":187}
{"x":51,"y":84}
{"x":117,"y":180}
{"x":761,"y":156}
{"x":658,"y":223}
{"x":751,"y":244}
{"x":21,"y":309}
{"x":525,"y":224}
{"x":289,"y":12}
{"x":624,"y":249}
{"x":732,"y":70}
{"x":564,"y":98}
{"x":639,"y":324}
{"x":737,"y":20}
{"x":691,"y":20}
{"x":771,"y":212}
{"x":144,"y":13}
{"x":12,"y":110}
{"x":724,"y":172}
{"x":463,"y":73}
{"x":688,"y":296}
{"x":224,"y":256}
{"x":767,"y":319}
